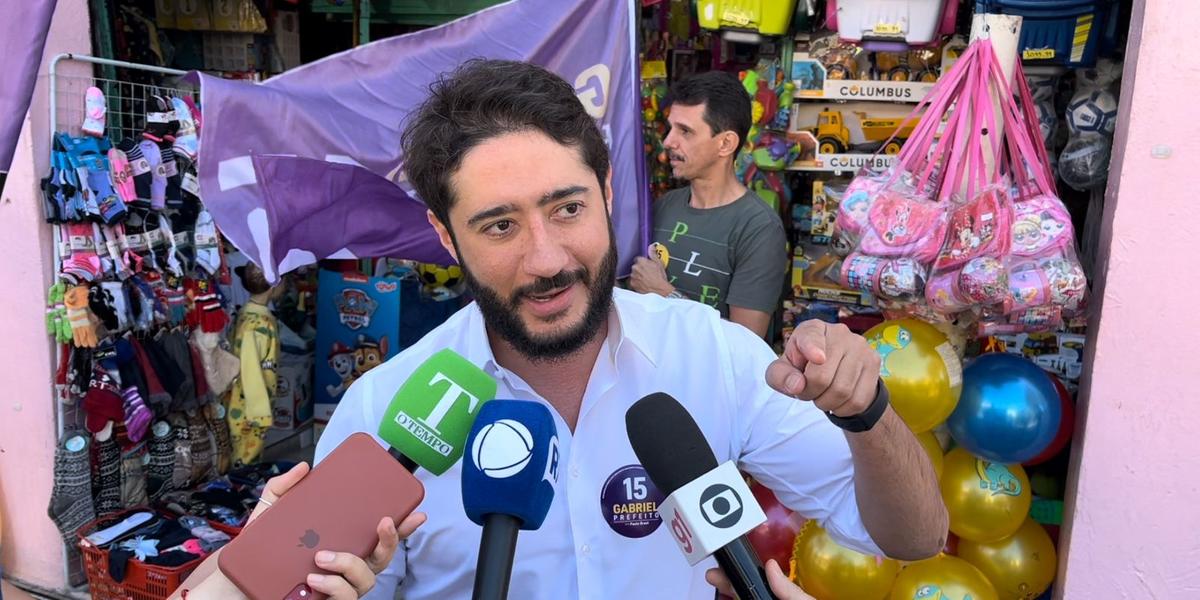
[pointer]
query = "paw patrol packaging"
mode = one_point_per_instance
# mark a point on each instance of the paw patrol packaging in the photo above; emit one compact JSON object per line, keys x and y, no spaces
{"x":945,"y":232}
{"x":358,"y":323}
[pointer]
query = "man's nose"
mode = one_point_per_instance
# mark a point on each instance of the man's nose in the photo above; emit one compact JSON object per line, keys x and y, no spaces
{"x":546,"y":256}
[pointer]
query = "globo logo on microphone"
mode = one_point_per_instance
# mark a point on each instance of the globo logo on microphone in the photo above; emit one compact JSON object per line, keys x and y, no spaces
{"x":711,"y":511}
{"x":721,"y":506}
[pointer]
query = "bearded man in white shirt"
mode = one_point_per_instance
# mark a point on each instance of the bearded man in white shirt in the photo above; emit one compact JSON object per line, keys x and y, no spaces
{"x":518,"y":184}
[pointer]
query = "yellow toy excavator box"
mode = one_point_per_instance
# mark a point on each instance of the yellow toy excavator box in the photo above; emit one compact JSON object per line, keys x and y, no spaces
{"x":767,"y":17}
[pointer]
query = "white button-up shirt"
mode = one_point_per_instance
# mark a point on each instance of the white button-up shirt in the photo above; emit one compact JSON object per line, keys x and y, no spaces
{"x":598,"y":541}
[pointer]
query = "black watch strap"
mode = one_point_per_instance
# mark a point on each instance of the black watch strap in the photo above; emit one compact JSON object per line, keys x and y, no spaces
{"x":867,"y":419}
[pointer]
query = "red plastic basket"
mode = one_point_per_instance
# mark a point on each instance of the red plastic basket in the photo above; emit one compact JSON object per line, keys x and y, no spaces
{"x":142,"y":581}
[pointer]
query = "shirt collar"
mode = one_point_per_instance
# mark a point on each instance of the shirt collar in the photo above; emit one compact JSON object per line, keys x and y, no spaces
{"x":628,"y":324}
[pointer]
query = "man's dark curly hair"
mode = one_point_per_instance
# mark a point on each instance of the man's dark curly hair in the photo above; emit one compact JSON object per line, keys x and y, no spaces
{"x":483,"y":99}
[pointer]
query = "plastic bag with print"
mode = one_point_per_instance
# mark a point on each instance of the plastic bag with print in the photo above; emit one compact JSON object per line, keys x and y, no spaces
{"x":854,"y":207}
{"x":969,"y":270}
{"x":1046,"y":282}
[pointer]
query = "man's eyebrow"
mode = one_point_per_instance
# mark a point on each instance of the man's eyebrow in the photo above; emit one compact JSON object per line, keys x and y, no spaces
{"x":562,"y":194}
{"x":491,"y":213}
{"x":504,"y":209}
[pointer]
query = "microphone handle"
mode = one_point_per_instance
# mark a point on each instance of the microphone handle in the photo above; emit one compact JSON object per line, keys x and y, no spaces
{"x":744,"y":570}
{"x":405,"y":461}
{"x":496,"y":549}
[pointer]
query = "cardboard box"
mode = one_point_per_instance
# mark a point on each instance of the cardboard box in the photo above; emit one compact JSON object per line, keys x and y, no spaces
{"x":815,"y":270}
{"x":358,"y":324}
{"x":1057,"y":352}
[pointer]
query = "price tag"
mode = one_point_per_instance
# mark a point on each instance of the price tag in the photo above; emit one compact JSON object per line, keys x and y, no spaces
{"x":204,"y":240}
{"x":190,"y":184}
{"x":82,"y":242}
{"x":1037,"y":54}
{"x":136,"y":242}
{"x":735,"y":16}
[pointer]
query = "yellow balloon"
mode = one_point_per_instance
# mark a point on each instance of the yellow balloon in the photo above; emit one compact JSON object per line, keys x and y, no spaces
{"x":1021,"y":567}
{"x":828,"y":571}
{"x":921,"y":370}
{"x":987,"y":501}
{"x":931,"y":446}
{"x":942,"y":578}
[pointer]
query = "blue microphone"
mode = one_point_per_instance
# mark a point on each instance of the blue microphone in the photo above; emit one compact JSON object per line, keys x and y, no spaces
{"x":510,"y":469}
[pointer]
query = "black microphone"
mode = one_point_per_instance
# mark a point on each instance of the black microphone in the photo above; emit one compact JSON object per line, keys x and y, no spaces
{"x":709,"y":506}
{"x":509,"y":472}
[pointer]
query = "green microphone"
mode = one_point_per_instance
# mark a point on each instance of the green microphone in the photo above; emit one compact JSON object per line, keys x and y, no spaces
{"x":429,"y":418}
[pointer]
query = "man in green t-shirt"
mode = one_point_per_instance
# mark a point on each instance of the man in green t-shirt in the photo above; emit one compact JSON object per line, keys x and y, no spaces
{"x":726,"y":246}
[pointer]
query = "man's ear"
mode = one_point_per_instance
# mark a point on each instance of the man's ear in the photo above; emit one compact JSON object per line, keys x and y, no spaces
{"x":729,"y":143}
{"x":608,"y":192}
{"x":443,"y":235}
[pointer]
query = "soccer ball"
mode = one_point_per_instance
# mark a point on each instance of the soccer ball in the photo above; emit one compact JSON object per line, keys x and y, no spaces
{"x":1092,"y":112}
{"x":502,"y":449}
{"x":1105,"y":73}
{"x":1083,"y":164}
{"x":1042,"y":87}
{"x":435,"y":276}
{"x":1047,"y":120}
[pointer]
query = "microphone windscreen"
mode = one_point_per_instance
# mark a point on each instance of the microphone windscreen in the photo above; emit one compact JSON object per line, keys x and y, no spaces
{"x":511,"y":464}
{"x":668,"y":442}
{"x":431,"y":414}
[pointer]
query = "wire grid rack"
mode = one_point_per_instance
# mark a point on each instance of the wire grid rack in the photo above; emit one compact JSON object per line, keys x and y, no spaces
{"x":127,"y":103}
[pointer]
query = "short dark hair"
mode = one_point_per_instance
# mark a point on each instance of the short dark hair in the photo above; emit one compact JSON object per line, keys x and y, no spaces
{"x":726,"y":103}
{"x":483,"y":99}
{"x":253,"y":278}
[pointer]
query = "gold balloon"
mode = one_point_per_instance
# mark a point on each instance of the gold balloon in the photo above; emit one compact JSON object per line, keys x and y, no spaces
{"x":1021,"y":567}
{"x":942,"y":578}
{"x":828,"y":571}
{"x":921,"y":370}
{"x":931,"y":446}
{"x":987,"y":501}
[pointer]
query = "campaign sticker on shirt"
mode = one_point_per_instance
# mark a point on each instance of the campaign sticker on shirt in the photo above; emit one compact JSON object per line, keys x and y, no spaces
{"x":630,"y":502}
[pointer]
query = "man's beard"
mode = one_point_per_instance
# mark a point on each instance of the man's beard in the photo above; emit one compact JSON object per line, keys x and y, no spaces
{"x":502,"y":316}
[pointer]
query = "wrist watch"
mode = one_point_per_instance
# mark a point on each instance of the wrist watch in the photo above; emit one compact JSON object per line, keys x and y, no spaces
{"x":867,"y":419}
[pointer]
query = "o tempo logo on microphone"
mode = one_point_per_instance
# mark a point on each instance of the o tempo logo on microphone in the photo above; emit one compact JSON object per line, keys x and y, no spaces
{"x":721,"y":506}
{"x":502,"y":449}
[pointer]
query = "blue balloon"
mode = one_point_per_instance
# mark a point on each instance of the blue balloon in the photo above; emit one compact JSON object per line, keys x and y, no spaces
{"x":1009,"y":411}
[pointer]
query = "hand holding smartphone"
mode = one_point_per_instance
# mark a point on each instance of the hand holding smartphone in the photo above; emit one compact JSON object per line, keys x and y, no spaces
{"x":337,"y":506}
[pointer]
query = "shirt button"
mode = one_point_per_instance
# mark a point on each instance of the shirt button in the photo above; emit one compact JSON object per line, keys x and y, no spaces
{"x":585,"y":549}
{"x":575,"y":472}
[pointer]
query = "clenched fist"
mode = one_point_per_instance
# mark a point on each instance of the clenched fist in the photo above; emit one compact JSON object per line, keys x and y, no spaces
{"x":828,"y":365}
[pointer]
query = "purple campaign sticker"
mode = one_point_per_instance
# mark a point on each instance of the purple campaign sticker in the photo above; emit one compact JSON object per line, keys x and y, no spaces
{"x":630,"y":502}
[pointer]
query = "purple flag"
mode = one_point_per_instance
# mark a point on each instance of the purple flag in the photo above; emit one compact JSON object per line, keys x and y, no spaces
{"x":22,"y":39}
{"x":307,"y":165}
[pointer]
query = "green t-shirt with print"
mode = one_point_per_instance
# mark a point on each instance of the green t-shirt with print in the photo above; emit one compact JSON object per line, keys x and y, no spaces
{"x":734,"y":254}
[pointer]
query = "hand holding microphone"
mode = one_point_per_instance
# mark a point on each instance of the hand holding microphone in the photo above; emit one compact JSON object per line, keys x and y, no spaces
{"x":780,"y":584}
{"x":508,"y":479}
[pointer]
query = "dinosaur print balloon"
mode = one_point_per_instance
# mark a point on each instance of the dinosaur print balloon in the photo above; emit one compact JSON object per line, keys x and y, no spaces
{"x":921,"y":370}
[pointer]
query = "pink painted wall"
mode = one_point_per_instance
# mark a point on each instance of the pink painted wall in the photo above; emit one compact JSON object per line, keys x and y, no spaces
{"x":30,"y":548}
{"x":1134,"y":527}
